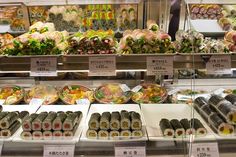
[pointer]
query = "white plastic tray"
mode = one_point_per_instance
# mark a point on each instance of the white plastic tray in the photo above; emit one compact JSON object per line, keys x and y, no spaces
{"x":100,"y":108}
{"x":153,"y":113}
{"x":83,"y":108}
{"x":12,"y":108}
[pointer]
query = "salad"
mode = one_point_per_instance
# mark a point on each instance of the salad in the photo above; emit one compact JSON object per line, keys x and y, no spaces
{"x":11,"y":94}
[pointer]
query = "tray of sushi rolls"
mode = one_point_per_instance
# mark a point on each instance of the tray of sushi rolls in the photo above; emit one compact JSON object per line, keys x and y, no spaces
{"x":54,"y":124}
{"x":113,"y":123}
{"x":174,"y":122}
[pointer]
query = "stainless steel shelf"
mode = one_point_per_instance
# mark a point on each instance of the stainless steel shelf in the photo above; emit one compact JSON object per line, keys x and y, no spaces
{"x":210,"y":1}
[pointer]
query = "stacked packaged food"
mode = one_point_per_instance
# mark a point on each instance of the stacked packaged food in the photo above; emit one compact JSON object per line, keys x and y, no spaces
{"x":205,"y":11}
{"x":228,"y":21}
{"x":11,"y":94}
{"x":230,"y":40}
{"x":38,"y":13}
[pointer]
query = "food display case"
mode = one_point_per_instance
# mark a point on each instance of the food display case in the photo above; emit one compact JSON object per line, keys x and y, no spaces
{"x":104,"y":75}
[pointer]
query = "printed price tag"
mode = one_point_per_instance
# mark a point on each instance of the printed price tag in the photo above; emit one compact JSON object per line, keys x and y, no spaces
{"x":59,"y":150}
{"x":43,"y":66}
{"x":36,"y":102}
{"x":82,"y":102}
{"x":205,"y":150}
{"x":136,"y":89}
{"x":162,"y":65}
{"x":2,"y":101}
{"x":102,"y":66}
{"x":130,"y":149}
{"x":124,"y":88}
{"x":219,"y":65}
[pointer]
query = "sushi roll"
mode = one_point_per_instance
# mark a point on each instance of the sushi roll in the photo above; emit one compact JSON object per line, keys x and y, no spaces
{"x":189,"y":130}
{"x":47,"y":123}
{"x":37,"y":122}
{"x":27,"y":123}
{"x":11,"y":130}
{"x":26,"y":135}
{"x":23,"y":115}
{"x":198,"y":126}
{"x":136,"y":123}
{"x":137,"y":133}
{"x":166,"y":128}
{"x":94,"y":121}
{"x":114,"y":134}
{"x":125,"y":120}
{"x":231,"y":98}
{"x":58,"y":121}
{"x":47,"y":135}
{"x":3,"y":114}
{"x":115,"y":121}
{"x":105,"y":121}
{"x":57,"y":134}
{"x":8,"y":120}
{"x":91,"y":134}
{"x":200,"y":102}
{"x":103,"y":134}
{"x":70,"y":133}
{"x":126,"y":133}
{"x":179,"y":130}
{"x":71,"y":120}
{"x":37,"y":135}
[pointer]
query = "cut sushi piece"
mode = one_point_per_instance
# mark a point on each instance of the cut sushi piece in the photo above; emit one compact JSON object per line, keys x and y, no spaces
{"x":189,"y":130}
{"x":125,"y":133}
{"x":11,"y":130}
{"x":23,"y":115}
{"x":37,"y":135}
{"x":26,"y":135}
{"x":58,"y":134}
{"x":91,"y":134}
{"x":47,"y":123}
{"x":70,"y":133}
{"x":231,"y":98}
{"x":166,"y":128}
{"x":115,"y":121}
{"x":71,"y":120}
{"x":58,"y":121}
{"x":198,"y":126}
{"x":8,"y":120}
{"x":137,"y":133}
{"x":37,"y":122}
{"x":114,"y":134}
{"x":136,"y":123}
{"x":3,"y":114}
{"x":47,"y":135}
{"x":125,"y":120}
{"x":105,"y":121}
{"x":179,"y":130}
{"x":27,"y":123}
{"x":94,"y":121}
{"x":103,"y":134}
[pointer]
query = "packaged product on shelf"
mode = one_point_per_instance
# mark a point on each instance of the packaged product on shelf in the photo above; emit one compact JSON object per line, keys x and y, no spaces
{"x":38,"y":13}
{"x":205,"y":11}
{"x":12,"y":94}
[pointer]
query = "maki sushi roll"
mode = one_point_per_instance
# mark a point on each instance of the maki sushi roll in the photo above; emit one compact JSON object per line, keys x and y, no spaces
{"x":114,"y":134}
{"x":94,"y":121}
{"x":126,"y":133}
{"x":3,"y":114}
{"x":37,"y":122}
{"x":8,"y":120}
{"x":200,"y":102}
{"x":179,"y":130}
{"x":70,"y":133}
{"x":103,"y":134}
{"x":136,"y":123}
{"x":23,"y":115}
{"x":47,"y":135}
{"x":47,"y":123}
{"x":71,"y":120}
{"x":125,"y":120}
{"x":37,"y":135}
{"x":166,"y":128}
{"x":11,"y":130}
{"x":187,"y":127}
{"x":198,"y":126}
{"x":105,"y":121}
{"x":26,"y":135}
{"x":27,"y":123}
{"x":115,"y":121}
{"x":57,"y":134}
{"x":231,"y":98}
{"x":91,"y":134}
{"x":137,"y":133}
{"x":58,"y":121}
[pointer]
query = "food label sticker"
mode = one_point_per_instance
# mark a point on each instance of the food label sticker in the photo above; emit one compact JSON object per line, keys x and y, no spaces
{"x":82,"y":102}
{"x":2,"y":101}
{"x":36,"y":102}
{"x":124,"y":88}
{"x":161,"y":65}
{"x":219,"y":65}
{"x":59,"y":150}
{"x":130,"y":149}
{"x":43,"y":66}
{"x":137,"y":88}
{"x":102,"y":66}
{"x":204,"y":150}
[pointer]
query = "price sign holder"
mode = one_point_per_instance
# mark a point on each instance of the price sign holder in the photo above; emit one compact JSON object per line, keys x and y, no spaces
{"x":82,"y":102}
{"x":205,"y":150}
{"x":219,"y":64}
{"x":130,"y":149}
{"x":161,"y":65}
{"x":102,"y":66}
{"x":41,"y":66}
{"x":58,"y":150}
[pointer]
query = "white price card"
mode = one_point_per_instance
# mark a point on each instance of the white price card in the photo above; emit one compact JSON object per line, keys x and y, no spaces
{"x":205,"y":150}
{"x":137,"y":88}
{"x":82,"y":102}
{"x":36,"y":102}
{"x":160,"y":65}
{"x":2,"y":101}
{"x":130,"y":149}
{"x":124,"y":88}
{"x":220,"y":64}
{"x":102,"y":66}
{"x":59,"y":150}
{"x":43,"y":66}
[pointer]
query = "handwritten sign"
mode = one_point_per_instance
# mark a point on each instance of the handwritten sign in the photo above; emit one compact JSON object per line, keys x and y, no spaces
{"x":219,"y":65}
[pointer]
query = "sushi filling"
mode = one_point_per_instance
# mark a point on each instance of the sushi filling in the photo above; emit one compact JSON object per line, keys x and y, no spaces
{"x":104,"y":125}
{"x":232,"y":117}
{"x":201,"y":132}
{"x":125,"y":124}
{"x":114,"y":134}
{"x":67,"y":126}
{"x":114,"y":125}
{"x":46,"y":126}
{"x":26,"y":126}
{"x":179,"y":132}
{"x":190,"y":132}
{"x":6,"y":133}
{"x":136,"y":125}
{"x":226,"y":129}
{"x":57,"y":126}
{"x":36,"y":126}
